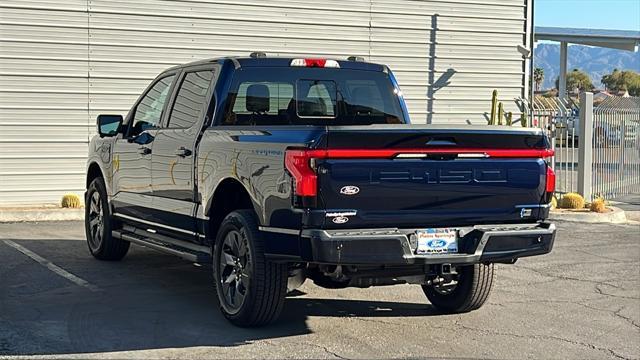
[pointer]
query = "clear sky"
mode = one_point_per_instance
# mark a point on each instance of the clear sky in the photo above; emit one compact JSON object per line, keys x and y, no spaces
{"x":592,"y":14}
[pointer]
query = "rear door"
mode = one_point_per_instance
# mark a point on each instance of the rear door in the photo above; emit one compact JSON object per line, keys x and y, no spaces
{"x":132,"y":153}
{"x":173,"y":177}
{"x":429,"y":178}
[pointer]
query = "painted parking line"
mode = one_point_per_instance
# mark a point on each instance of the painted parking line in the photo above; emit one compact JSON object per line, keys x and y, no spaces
{"x":53,"y":267}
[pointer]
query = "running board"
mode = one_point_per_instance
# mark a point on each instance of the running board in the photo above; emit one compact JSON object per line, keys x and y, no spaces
{"x":187,"y":254}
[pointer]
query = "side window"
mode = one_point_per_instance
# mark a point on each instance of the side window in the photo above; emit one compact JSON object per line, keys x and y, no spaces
{"x":188,"y":107}
{"x":149,"y":110}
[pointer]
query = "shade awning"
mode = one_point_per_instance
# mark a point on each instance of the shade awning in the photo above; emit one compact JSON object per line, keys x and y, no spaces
{"x":615,"y":39}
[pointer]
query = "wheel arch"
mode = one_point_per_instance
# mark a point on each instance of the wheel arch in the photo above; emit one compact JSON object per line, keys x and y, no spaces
{"x":93,"y":171}
{"x":228,"y":196}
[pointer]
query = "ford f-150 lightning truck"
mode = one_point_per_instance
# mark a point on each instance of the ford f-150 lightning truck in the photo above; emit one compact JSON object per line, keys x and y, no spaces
{"x":276,"y":170}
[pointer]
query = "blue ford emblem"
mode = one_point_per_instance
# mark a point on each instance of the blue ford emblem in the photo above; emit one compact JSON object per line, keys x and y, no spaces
{"x":436,"y":243}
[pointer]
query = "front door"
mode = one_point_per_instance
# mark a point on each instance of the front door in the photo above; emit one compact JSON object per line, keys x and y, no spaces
{"x":132,"y":197}
{"x":174,"y":151}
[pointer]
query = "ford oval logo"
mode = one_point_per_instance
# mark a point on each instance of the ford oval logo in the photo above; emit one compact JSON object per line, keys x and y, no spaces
{"x":349,"y":190}
{"x":340,"y":219}
{"x":436,"y":243}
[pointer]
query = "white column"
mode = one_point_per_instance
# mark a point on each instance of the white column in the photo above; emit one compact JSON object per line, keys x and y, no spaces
{"x":562,"y":83}
{"x":585,"y":145}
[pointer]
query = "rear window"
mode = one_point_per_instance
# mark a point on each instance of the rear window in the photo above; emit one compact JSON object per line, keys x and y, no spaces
{"x":311,"y":96}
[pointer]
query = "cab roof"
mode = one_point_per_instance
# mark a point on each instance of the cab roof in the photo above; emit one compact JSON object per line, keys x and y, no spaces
{"x":266,"y":61}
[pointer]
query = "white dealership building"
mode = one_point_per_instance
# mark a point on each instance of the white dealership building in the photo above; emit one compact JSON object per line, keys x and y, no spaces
{"x":62,"y":62}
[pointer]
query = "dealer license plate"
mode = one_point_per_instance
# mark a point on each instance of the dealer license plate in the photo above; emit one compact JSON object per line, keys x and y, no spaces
{"x":437,"y":241}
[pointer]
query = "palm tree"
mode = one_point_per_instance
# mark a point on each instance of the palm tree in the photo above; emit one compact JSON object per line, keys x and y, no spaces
{"x":538,"y":77}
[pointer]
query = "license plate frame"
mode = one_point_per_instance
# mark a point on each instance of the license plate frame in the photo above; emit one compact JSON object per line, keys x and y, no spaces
{"x":437,"y":241}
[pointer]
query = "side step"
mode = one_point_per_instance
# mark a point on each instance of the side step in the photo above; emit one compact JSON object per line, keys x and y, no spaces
{"x":187,"y":254}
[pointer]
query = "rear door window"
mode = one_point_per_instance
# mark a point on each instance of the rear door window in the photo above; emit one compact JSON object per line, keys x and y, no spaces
{"x":311,"y":96}
{"x":189,"y":105}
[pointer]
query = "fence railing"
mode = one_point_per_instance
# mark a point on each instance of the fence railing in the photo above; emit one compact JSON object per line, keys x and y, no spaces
{"x":559,"y":118}
{"x":597,"y":150}
{"x":616,"y":147}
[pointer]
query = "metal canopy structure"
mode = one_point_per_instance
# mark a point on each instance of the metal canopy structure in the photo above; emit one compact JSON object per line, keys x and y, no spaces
{"x":614,"y":39}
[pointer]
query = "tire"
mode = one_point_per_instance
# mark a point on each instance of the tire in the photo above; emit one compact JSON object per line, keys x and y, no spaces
{"x":97,"y":224}
{"x":470,"y":293}
{"x":238,"y":259}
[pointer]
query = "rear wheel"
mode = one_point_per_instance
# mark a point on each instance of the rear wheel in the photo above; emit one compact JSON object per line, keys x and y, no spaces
{"x":468,"y":293}
{"x":251,"y":289}
{"x":97,"y":220}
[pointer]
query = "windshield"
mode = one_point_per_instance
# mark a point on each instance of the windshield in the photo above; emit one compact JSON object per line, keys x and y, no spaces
{"x":311,"y":96}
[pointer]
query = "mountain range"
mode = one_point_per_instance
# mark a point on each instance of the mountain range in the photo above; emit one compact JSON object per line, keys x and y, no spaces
{"x":594,"y":61}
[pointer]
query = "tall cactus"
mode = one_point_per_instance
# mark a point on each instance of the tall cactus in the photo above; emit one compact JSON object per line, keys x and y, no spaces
{"x":524,"y":120}
{"x":500,"y":113}
{"x":494,"y":107}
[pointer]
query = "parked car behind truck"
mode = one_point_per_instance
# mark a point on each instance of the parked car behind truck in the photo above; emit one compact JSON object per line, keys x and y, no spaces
{"x":277,"y":170}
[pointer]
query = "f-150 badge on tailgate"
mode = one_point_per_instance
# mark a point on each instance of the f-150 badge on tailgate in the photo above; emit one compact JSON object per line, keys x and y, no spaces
{"x":349,"y":190}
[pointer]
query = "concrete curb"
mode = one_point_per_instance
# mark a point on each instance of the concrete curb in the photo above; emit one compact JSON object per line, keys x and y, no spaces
{"x":44,"y":214}
{"x":617,"y":216}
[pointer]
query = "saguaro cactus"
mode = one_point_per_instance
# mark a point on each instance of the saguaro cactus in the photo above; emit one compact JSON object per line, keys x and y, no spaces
{"x":494,"y":107}
{"x":524,"y":121}
{"x":500,"y":113}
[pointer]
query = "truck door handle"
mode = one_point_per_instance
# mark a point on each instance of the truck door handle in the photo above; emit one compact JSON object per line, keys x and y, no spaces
{"x":143,"y":150}
{"x":183,"y":151}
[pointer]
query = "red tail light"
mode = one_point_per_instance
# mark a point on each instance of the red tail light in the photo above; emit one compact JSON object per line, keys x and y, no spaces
{"x":298,"y":162}
{"x":551,"y":180}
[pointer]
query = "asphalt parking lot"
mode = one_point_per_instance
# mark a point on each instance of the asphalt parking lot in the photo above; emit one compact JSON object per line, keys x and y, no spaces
{"x":581,"y":301}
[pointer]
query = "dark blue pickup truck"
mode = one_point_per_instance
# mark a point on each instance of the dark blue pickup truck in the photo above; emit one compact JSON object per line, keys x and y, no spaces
{"x":278,"y":170}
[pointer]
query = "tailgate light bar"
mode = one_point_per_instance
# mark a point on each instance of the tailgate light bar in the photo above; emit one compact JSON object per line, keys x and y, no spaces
{"x":399,"y":153}
{"x":299,"y":162}
{"x":322,"y":63}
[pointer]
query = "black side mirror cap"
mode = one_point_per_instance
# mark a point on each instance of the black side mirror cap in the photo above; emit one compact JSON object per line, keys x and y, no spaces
{"x":109,"y":125}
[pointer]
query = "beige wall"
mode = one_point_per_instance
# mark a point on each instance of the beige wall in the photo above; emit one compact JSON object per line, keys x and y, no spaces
{"x":63,"y":62}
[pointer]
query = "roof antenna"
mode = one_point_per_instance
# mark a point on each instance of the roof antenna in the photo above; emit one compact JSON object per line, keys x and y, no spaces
{"x":258,"y":54}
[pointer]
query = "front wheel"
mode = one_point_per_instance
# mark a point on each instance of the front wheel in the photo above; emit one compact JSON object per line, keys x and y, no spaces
{"x":250,"y":288}
{"x":97,"y":222}
{"x":469,"y":292}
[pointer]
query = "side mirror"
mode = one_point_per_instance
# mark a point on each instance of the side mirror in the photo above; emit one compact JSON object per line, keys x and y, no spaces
{"x":109,"y":125}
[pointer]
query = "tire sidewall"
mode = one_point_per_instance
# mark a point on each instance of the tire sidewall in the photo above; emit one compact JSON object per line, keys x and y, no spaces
{"x":455,"y":298}
{"x":97,"y":185}
{"x":237,"y":222}
{"x":464,"y":297}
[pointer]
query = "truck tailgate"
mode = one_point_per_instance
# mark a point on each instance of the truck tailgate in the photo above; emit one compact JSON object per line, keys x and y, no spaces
{"x":431,"y":177}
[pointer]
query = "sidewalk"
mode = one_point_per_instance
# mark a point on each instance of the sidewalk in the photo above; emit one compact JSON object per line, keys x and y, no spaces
{"x":38,"y":214}
{"x":630,"y":204}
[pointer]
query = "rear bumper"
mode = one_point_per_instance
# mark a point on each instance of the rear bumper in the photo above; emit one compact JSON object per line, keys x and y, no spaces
{"x":478,"y":244}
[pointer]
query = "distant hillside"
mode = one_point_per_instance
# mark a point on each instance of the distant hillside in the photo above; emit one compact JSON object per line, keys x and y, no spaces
{"x":595,"y":61}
